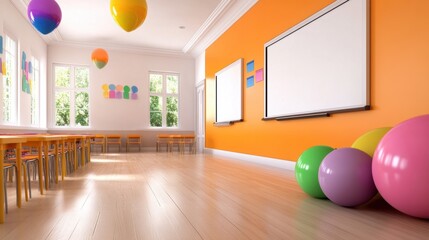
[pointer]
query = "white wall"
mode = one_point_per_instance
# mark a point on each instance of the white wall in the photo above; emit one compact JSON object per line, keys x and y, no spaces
{"x":200,"y":68}
{"x":29,"y":41}
{"x":126,"y":68}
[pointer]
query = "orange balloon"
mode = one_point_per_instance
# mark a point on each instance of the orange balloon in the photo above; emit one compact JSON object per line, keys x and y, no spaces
{"x":100,"y":57}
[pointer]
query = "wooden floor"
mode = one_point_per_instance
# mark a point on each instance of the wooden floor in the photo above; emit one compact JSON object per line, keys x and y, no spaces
{"x":176,"y":196}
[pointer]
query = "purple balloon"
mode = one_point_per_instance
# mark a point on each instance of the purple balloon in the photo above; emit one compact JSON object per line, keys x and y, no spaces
{"x":401,"y":167}
{"x":345,"y":177}
{"x":45,"y":15}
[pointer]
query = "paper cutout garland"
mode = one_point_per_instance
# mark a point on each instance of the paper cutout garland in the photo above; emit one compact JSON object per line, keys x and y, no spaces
{"x":112,"y":91}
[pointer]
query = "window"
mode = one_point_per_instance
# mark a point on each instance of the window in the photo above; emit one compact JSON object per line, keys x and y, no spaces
{"x":10,"y":79}
{"x":164,"y":99}
{"x":35,"y":94}
{"x":71,"y":96}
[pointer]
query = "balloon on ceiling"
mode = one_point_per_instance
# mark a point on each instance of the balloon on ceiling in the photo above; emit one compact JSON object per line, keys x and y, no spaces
{"x":45,"y":15}
{"x":100,"y":57}
{"x":128,"y":14}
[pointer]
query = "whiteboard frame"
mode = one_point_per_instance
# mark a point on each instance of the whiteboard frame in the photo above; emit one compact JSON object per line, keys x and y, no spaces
{"x":229,"y":94}
{"x":365,"y":65}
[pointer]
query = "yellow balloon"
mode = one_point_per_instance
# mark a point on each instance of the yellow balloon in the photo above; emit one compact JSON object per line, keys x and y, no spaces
{"x":368,"y":142}
{"x":129,"y":14}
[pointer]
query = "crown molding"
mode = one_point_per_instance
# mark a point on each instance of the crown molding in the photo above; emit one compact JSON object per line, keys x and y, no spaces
{"x":231,"y":12}
{"x":214,"y":16}
{"x":125,"y":48}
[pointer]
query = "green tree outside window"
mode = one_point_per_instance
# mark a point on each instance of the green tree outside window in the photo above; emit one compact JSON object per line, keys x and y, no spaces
{"x":164,"y":99}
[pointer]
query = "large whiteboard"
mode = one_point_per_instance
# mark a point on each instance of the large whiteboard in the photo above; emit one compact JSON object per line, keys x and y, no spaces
{"x":321,"y":64}
{"x":229,"y":87}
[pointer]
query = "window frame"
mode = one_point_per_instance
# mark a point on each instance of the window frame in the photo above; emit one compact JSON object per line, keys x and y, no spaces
{"x":35,"y":93}
{"x":14,"y":120}
{"x":164,"y":95}
{"x":72,"y":90}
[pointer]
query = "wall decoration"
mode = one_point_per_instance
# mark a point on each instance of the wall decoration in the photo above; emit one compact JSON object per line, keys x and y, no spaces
{"x":1,"y":44}
{"x":27,"y":71}
{"x":250,"y":81}
{"x":250,"y":66}
{"x":112,"y":91}
{"x":1,"y":52}
{"x":259,"y":75}
{"x":4,"y":70}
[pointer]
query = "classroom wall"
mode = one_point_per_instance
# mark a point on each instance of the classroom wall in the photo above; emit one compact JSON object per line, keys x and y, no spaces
{"x":125,"y":68}
{"x":399,"y":76}
{"x":30,"y":42}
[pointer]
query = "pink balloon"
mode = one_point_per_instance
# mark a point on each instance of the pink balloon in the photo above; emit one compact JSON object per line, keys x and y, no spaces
{"x":400,"y":167}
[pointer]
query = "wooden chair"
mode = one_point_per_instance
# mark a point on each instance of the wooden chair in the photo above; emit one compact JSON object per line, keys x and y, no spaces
{"x":113,"y":139}
{"x":133,"y":140}
{"x":175,"y":140}
{"x":162,"y":139}
{"x":99,"y":140}
{"x":188,"y":140}
{"x":6,"y":168}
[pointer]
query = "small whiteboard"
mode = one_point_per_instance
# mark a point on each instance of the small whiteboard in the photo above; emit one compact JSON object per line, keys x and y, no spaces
{"x":229,"y":87}
{"x":320,"y":66}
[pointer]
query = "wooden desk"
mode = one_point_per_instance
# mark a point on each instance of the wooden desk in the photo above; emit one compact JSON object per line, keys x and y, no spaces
{"x":179,"y":139}
{"x":42,"y":143}
{"x":10,"y":142}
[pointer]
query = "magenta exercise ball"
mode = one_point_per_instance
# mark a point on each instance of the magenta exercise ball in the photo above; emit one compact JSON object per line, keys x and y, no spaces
{"x":345,"y":177}
{"x":401,"y":167}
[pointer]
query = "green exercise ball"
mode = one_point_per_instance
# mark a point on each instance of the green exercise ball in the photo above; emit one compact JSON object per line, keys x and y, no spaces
{"x":307,"y":170}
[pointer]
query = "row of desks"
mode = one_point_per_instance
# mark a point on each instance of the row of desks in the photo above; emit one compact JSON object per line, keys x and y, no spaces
{"x":41,"y":143}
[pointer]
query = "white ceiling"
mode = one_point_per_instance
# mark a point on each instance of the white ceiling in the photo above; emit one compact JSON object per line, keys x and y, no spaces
{"x":89,"y":22}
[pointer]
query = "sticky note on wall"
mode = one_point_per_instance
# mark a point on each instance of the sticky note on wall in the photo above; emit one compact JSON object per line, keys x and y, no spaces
{"x":1,"y":45}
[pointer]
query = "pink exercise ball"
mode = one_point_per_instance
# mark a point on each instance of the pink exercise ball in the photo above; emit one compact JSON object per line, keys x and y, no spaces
{"x":345,"y":177}
{"x":401,"y":167}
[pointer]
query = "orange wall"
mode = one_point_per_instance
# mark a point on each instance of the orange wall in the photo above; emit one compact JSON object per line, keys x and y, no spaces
{"x":399,"y":78}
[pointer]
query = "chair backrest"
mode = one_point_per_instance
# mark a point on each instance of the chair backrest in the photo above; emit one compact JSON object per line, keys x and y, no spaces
{"x":133,"y":138}
{"x":113,"y":139}
{"x":98,"y":139}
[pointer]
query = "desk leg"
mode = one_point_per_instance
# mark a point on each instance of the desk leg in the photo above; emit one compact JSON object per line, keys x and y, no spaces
{"x":82,"y":155}
{"x":63,"y":160}
{"x":18,"y":175}
{"x":46,"y":152}
{"x":1,"y":185}
{"x":56,"y":161}
{"x":75,"y":154}
{"x":89,"y":149}
{"x":40,"y":167}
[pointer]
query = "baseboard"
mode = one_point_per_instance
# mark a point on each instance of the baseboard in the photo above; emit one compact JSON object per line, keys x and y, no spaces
{"x":271,"y":162}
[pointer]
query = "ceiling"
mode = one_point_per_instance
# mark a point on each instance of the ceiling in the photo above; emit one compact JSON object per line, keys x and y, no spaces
{"x":173,"y":26}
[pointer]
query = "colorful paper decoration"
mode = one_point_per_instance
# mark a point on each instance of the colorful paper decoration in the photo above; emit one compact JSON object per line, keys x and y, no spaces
{"x":113,"y":91}
{"x":45,"y":15}
{"x":1,"y":44}
{"x":4,"y":70}
{"x":100,"y":57}
{"x":1,"y":67}
{"x":250,"y":81}
{"x":259,"y":75}
{"x":26,"y":68}
{"x":128,"y":14}
{"x":250,"y":66}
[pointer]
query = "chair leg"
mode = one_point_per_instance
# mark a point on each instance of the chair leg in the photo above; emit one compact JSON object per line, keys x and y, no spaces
{"x":5,"y":191}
